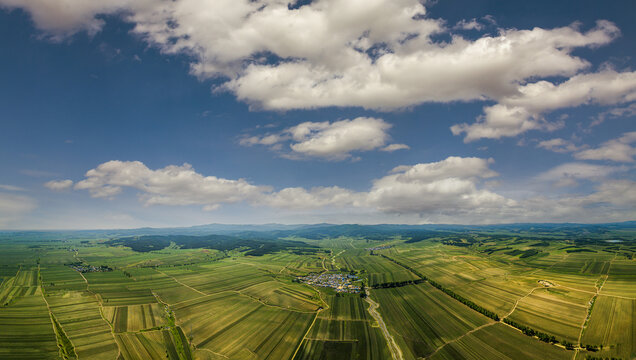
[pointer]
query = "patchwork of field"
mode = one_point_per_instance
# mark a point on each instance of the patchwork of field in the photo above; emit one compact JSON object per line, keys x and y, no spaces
{"x":218,"y":277}
{"x":79,"y":315}
{"x":377,"y":269}
{"x":113,"y":288}
{"x":158,"y":344}
{"x":133,"y":318}
{"x":26,"y":331}
{"x":556,"y":311}
{"x":233,"y":325}
{"x":620,"y":285}
{"x":422,"y":318}
{"x":208,"y":304}
{"x":612,"y":325}
{"x":344,"y":330}
{"x":284,"y":295}
{"x":499,"y":341}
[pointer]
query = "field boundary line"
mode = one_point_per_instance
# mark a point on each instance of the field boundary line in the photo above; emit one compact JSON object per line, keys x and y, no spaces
{"x":48,"y":307}
{"x":519,"y":299}
{"x":460,"y":337}
{"x":208,"y":350}
{"x":306,"y":333}
{"x":101,"y":312}
{"x":179,"y":282}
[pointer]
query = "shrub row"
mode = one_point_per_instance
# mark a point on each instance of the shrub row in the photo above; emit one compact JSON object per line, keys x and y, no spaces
{"x":397,"y":284}
{"x":531,"y":332}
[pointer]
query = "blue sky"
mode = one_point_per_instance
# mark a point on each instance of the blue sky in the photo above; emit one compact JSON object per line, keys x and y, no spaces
{"x":161,"y":113}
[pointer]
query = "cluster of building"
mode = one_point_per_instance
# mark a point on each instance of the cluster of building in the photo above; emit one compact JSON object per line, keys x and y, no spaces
{"x":381,"y":247}
{"x":337,"y":281}
{"x":90,"y":268}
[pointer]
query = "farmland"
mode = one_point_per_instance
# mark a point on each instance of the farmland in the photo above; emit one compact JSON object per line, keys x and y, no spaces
{"x":487,"y":294}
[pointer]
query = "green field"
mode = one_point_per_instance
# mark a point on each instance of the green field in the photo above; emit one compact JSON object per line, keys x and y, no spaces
{"x":458,"y":295}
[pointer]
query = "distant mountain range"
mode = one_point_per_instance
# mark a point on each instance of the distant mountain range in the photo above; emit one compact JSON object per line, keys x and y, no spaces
{"x":317,"y":231}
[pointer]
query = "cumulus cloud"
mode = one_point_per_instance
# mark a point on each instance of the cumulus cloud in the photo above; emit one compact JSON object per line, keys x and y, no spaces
{"x":523,"y":111}
{"x":452,"y":190}
{"x":59,"y":185}
{"x":378,"y":54}
{"x":445,"y":186}
{"x":558,"y":145}
{"x":171,"y":185}
{"x":330,"y":140}
{"x":450,"y":185}
{"x":619,"y":150}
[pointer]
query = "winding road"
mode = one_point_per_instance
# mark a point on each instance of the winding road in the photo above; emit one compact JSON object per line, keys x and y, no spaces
{"x":396,"y":352}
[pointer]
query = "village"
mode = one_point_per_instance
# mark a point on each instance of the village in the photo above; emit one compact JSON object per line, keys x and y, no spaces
{"x":337,"y":281}
{"x":89,"y":268}
{"x":381,"y":247}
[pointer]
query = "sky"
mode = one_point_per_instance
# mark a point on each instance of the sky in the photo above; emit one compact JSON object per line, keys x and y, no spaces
{"x":121,"y":113}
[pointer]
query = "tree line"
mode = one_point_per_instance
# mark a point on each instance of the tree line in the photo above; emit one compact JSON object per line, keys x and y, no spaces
{"x":448,"y":291}
{"x":393,"y":284}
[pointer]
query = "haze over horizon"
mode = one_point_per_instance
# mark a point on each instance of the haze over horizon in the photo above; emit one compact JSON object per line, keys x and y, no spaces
{"x":124,"y":114}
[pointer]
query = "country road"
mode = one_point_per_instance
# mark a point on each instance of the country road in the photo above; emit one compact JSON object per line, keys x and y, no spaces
{"x":396,"y":352}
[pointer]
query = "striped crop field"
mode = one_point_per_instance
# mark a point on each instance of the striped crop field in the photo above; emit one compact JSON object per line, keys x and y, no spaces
{"x":26,"y":330}
{"x":114,"y":289}
{"x":218,"y":277}
{"x":422,"y":318}
{"x":61,"y":278}
{"x":496,"y":294}
{"x":233,"y":325}
{"x":159,"y":344}
{"x":344,"y":330}
{"x":343,"y":339}
{"x":499,"y":341}
{"x":345,"y":308}
{"x":378,"y":269}
{"x":612,"y":325}
{"x":24,"y":283}
{"x":555,"y":311}
{"x":291,"y":296}
{"x":133,"y":318}
{"x":620,"y":285}
{"x":79,"y":315}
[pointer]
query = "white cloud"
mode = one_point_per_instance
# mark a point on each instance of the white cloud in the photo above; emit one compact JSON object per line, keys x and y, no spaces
{"x":63,"y":18}
{"x":439,"y":187}
{"x":172,"y":185}
{"x":567,"y":174}
{"x":335,"y":140}
{"x":453,"y":190}
{"x":445,"y":186}
{"x":14,"y":207}
{"x":619,"y":150}
{"x":616,"y":192}
{"x":376,"y":54}
{"x":472,"y":24}
{"x":318,"y":197}
{"x":558,"y":145}
{"x":624,"y":112}
{"x":518,"y":113}
{"x":10,"y":187}
{"x":395,"y":147}
{"x":59,"y":185}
